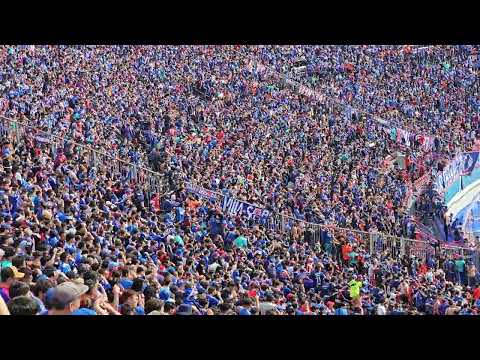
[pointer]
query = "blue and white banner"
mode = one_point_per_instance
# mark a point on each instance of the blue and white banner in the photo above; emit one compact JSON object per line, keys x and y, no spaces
{"x":470,"y":163}
{"x":201,"y":191}
{"x":462,"y":165}
{"x":230,"y":205}
{"x":236,"y":207}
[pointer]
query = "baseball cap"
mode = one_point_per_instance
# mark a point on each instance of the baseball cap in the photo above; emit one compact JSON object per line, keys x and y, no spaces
{"x":78,"y":280}
{"x":68,"y":291}
{"x":243,"y":311}
{"x":42,"y":277}
{"x":155,"y":312}
{"x":16,"y":274}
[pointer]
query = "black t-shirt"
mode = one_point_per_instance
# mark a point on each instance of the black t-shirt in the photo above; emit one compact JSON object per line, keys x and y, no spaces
{"x":6,"y":163}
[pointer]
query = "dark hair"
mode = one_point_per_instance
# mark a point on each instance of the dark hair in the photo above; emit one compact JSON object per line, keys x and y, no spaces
{"x":91,"y":285}
{"x":247,"y":301}
{"x":18,"y":261}
{"x":174,"y":289}
{"x":91,"y":275}
{"x":41,"y":287}
{"x":126,"y":294}
{"x":168,"y":307}
{"x":137,"y":285}
{"x":152,"y":305}
{"x":179,"y":299}
{"x":149,"y":293}
{"x":7,"y":273}
{"x":127,"y":310}
{"x":225,"y":306}
{"x":18,"y":288}
{"x":203,"y":302}
{"x":23,"y":305}
{"x":9,"y":252}
{"x":55,"y":303}
{"x":72,"y":275}
{"x":43,"y":260}
{"x":49,"y":271}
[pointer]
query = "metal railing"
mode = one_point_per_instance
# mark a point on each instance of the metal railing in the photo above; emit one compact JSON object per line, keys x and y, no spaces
{"x":152,"y":183}
{"x":329,"y":99}
{"x":145,"y":179}
{"x":375,"y":242}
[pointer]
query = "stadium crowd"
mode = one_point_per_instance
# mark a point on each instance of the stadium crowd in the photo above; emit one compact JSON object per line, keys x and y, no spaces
{"x":76,"y":239}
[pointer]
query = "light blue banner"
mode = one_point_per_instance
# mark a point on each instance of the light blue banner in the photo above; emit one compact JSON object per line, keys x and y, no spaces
{"x":460,"y":184}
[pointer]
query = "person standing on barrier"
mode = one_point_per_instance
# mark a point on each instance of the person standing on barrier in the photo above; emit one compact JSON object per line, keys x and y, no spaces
{"x":337,"y":249}
{"x":328,"y":243}
{"x":460,"y":267}
{"x":449,"y":267}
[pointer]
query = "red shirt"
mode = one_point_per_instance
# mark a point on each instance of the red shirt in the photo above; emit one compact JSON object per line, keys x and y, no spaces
{"x":476,"y":293}
{"x":156,"y":203}
{"x":389,"y":205}
{"x":346,"y":249}
{"x":423,"y":269}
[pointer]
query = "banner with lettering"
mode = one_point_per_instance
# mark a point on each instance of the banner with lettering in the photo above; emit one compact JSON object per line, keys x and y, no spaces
{"x":236,"y":207}
{"x":201,"y":191}
{"x":462,"y":165}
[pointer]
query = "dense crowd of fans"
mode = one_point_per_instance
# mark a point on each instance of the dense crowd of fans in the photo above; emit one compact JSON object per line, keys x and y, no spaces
{"x":76,"y":239}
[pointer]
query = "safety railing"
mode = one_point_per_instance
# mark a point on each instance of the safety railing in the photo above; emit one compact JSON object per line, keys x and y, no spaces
{"x":154,"y":183}
{"x":325,"y":98}
{"x":374,"y":242}
{"x":150,"y":182}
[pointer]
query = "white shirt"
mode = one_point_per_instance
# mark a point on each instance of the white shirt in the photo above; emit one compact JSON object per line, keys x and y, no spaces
{"x":381,"y":310}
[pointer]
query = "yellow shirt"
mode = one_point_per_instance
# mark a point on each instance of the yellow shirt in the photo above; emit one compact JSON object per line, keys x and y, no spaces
{"x":355,"y":288}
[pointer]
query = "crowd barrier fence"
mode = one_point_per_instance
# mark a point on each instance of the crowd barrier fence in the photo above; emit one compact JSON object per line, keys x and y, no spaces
{"x":153,"y":183}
